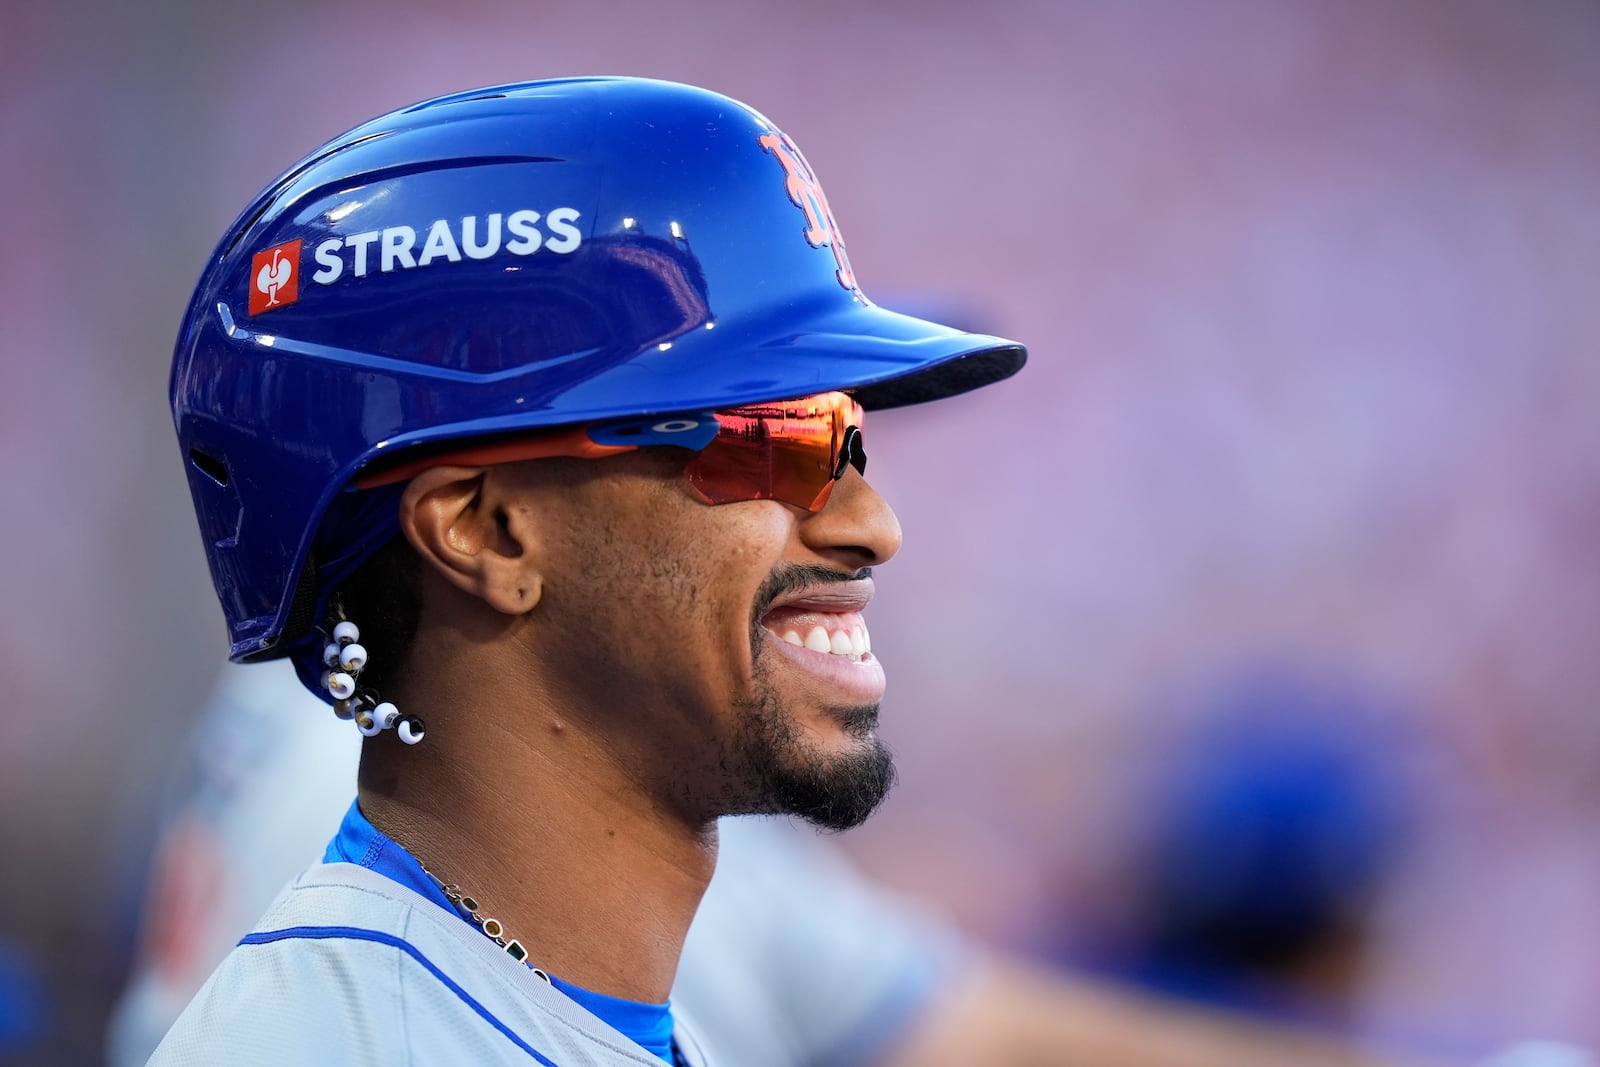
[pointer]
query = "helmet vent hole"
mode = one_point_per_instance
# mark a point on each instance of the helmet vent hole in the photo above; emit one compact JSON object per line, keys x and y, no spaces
{"x":210,"y":466}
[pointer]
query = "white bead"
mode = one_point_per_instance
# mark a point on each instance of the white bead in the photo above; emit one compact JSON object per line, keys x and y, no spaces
{"x":330,"y":655}
{"x":386,"y":714}
{"x":410,"y":729}
{"x":341,"y":685}
{"x":368,"y":725}
{"x":346,"y":632}
{"x":353,"y":657}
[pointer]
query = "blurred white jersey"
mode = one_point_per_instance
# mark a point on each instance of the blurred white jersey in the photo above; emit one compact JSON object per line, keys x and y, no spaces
{"x":794,"y":959}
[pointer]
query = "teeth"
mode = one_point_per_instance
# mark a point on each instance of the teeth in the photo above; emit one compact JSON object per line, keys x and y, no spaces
{"x":853,"y":644}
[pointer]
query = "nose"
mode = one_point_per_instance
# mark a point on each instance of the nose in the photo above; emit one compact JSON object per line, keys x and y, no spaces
{"x":856,"y":527}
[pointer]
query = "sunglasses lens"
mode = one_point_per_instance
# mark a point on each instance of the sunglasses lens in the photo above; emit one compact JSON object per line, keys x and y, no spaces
{"x":787,"y":451}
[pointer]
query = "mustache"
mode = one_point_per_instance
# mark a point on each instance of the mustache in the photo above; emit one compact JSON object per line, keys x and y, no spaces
{"x":788,"y":577}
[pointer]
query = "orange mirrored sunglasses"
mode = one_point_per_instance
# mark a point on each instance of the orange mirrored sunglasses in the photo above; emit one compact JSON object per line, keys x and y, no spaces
{"x":792,"y":451}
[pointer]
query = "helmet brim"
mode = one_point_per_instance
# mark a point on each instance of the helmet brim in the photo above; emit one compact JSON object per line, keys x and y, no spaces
{"x":888,"y":359}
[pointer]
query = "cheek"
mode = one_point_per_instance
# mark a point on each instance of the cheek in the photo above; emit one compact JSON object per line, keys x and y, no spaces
{"x":722,"y":565}
{"x":720,"y":557}
{"x":750,"y":540}
{"x":656,"y":577}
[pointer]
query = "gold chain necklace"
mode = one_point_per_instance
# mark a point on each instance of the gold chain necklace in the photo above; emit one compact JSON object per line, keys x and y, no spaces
{"x":494,"y":931}
{"x":490,"y":928}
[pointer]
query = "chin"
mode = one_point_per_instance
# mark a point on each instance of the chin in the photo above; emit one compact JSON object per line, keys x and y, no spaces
{"x":851,"y":791}
{"x":823,"y":763}
{"x":833,"y":790}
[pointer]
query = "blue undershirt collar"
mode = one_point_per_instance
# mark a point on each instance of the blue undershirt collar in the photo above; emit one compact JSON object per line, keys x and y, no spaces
{"x":361,"y":843}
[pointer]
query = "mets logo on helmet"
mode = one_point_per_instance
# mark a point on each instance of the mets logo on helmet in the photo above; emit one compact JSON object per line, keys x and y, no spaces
{"x":275,"y":277}
{"x":806,"y":192}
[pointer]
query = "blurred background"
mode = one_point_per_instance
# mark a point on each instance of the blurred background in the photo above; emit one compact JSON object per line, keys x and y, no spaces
{"x":1245,"y":646}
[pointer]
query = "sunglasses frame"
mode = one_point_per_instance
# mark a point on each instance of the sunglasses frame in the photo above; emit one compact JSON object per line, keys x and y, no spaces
{"x":694,"y":431}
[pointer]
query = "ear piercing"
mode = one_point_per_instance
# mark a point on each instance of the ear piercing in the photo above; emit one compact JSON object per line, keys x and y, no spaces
{"x":344,"y":657}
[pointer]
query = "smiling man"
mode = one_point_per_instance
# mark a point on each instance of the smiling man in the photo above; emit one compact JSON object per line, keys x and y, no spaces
{"x":549,"y":475}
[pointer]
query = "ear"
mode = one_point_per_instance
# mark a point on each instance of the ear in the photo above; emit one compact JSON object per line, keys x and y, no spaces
{"x":458,"y":520}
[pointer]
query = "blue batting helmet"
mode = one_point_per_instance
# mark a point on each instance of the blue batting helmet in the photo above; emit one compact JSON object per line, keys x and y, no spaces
{"x":522,"y":256}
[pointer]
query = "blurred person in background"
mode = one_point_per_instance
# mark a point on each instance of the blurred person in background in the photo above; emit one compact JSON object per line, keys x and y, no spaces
{"x":1260,"y":833}
{"x":1263,"y":830}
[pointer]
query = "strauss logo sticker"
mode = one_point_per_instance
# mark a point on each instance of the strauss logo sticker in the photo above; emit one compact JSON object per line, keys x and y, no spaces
{"x":275,"y":277}
{"x":275,"y":272}
{"x":806,"y":194}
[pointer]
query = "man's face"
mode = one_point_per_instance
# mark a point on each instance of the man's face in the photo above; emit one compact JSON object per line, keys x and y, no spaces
{"x":721,"y":651}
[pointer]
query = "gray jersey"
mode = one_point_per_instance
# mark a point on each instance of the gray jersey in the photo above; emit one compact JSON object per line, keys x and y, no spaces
{"x":349,"y":967}
{"x":794,"y":959}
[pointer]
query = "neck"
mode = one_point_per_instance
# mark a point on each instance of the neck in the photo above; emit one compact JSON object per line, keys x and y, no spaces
{"x":549,"y":832}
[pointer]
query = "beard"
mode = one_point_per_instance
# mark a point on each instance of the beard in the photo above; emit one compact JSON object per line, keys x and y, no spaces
{"x":830,"y":790}
{"x":789,"y":775}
